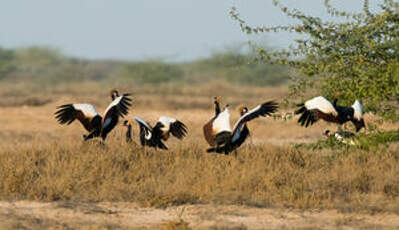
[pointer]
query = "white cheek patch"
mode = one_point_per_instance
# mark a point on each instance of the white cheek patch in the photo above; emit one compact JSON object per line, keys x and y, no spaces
{"x":147,"y":135}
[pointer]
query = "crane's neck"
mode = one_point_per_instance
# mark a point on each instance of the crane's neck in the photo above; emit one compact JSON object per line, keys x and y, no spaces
{"x":217,"y":108}
{"x":335,"y":101}
{"x":129,"y":133}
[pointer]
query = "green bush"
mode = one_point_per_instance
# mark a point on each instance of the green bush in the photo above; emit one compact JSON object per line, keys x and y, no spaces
{"x":374,"y":140}
{"x":356,"y":56}
{"x":152,"y":72}
{"x":6,"y":66}
{"x":43,"y":66}
{"x":240,"y":67}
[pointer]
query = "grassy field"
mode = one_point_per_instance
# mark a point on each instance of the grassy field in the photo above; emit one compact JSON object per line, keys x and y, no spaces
{"x":42,"y":161}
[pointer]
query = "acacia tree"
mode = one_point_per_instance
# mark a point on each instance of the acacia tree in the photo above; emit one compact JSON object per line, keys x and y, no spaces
{"x":356,"y":57}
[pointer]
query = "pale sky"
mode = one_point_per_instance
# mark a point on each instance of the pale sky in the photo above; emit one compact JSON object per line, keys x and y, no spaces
{"x":176,"y":30}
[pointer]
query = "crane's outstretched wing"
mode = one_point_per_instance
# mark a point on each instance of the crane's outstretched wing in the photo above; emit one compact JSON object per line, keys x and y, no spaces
{"x":176,"y":127}
{"x":118,"y":108}
{"x":68,"y":113}
{"x":315,"y":109}
{"x":145,"y":128}
{"x":263,"y":110}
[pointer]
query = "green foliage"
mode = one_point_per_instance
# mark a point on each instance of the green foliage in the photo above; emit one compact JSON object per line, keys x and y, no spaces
{"x":239,"y":67}
{"x":355,"y":57}
{"x":234,"y":65}
{"x":373,"y":140}
{"x":5,"y":65}
{"x":41,"y":66}
{"x":152,"y":72}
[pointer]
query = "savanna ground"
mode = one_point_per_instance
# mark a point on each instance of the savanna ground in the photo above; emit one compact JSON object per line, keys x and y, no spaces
{"x":50,"y":179}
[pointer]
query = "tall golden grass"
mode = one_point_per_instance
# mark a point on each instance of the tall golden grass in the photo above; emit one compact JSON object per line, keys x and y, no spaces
{"x":41,"y":160}
{"x":260,"y":175}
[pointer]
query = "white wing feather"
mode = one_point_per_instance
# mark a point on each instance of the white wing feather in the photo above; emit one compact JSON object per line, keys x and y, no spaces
{"x":238,"y":132}
{"x":87,"y":109}
{"x":166,"y":121}
{"x":148,"y":134}
{"x":321,"y":104}
{"x":222,"y":122}
{"x":358,"y":110}
{"x":245,"y":115}
{"x":139,"y":120}
{"x":113,"y":103}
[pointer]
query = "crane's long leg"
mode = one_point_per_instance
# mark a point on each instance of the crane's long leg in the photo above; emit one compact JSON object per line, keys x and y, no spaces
{"x":92,"y":134}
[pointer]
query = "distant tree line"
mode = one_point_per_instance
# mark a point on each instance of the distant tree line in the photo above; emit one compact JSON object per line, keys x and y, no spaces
{"x":48,"y":67}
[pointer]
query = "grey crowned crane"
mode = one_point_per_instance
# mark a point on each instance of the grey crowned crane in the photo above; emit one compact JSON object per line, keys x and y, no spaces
{"x":219,"y":135}
{"x":320,"y":108}
{"x":129,"y":131}
{"x":91,"y":120}
{"x":207,"y":129}
{"x":154,"y":136}
{"x":217,"y":101}
{"x":341,"y":136}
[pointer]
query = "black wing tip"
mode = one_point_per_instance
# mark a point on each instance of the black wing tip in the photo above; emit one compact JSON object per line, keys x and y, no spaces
{"x":126,"y":97}
{"x":64,"y":105}
{"x":182,"y":125}
{"x":61,"y":108}
{"x":122,"y":108}
{"x":161,"y":145}
{"x":300,"y":110}
{"x":271,"y":103}
{"x":269,"y":107}
{"x":211,"y":150}
{"x":64,"y":114}
{"x":306,"y":119}
{"x":179,"y":129}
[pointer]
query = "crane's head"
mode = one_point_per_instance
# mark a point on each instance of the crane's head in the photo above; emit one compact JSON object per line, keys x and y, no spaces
{"x":242,"y":109}
{"x":217,"y":99}
{"x":114,"y":94}
{"x":127,"y":123}
{"x":327,"y":133}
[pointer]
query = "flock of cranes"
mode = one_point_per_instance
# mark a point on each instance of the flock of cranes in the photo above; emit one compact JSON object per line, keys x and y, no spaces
{"x":217,"y":131}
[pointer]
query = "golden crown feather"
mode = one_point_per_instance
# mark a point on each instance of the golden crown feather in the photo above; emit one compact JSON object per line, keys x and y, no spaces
{"x":218,"y":99}
{"x":241,"y":107}
{"x":112,"y":91}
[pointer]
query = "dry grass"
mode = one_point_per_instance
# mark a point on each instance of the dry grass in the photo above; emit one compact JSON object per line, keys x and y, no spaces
{"x":261,"y":175}
{"x":176,"y":225}
{"x":41,"y":160}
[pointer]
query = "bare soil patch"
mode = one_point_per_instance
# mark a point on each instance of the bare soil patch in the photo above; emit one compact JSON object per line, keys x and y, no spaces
{"x":108,"y":215}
